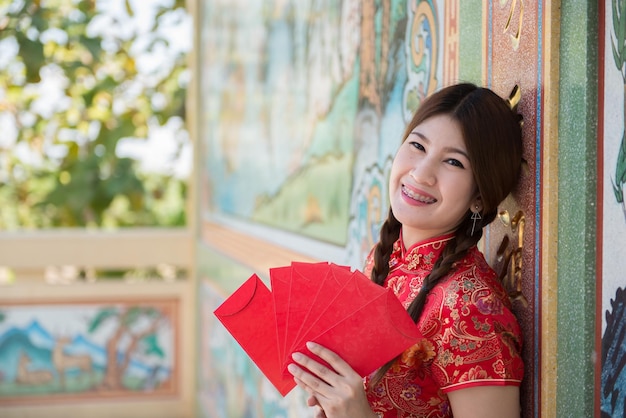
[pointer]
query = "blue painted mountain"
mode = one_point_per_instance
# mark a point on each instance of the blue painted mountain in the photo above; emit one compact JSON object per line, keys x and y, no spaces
{"x":37,"y":335}
{"x":12,"y":344}
{"x":36,"y":342}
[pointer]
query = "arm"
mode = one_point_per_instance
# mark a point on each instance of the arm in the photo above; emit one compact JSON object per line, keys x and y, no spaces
{"x":339,"y":392}
{"x":485,"y":402}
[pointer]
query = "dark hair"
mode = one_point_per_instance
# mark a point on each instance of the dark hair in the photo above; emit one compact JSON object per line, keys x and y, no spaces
{"x":492,"y":133}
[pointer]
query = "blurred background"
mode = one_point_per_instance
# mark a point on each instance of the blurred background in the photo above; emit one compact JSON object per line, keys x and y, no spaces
{"x":92,"y":113}
{"x":95,"y":170}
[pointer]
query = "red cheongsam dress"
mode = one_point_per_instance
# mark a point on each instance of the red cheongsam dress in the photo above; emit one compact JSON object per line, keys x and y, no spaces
{"x":470,"y":336}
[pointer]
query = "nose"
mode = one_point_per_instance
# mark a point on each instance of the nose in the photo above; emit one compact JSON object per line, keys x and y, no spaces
{"x":424,"y":173}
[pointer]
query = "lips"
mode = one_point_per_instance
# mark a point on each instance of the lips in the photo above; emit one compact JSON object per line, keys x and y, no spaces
{"x":416,"y":196}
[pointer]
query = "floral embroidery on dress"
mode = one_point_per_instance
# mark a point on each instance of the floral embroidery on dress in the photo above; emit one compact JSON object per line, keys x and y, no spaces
{"x":489,"y":305}
{"x":413,"y":260}
{"x":420,"y":353}
{"x":498,"y":367}
{"x":411,"y":392}
{"x":469,"y":334}
{"x":475,"y":373}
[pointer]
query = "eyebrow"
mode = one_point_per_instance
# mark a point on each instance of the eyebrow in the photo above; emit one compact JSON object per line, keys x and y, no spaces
{"x":447,"y":149}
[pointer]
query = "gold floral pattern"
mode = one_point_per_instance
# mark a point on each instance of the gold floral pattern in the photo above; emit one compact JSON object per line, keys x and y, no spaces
{"x":470,"y":336}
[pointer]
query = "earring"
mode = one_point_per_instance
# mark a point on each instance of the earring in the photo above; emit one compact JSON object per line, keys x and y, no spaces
{"x":475,"y":217}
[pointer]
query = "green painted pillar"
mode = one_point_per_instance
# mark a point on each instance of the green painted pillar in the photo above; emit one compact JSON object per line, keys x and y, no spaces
{"x":577,"y":209}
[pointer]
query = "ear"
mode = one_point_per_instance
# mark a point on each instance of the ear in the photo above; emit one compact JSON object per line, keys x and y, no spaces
{"x":476,"y":205}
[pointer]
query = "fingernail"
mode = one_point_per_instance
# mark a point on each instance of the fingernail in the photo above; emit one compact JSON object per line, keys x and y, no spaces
{"x":310,"y":345}
{"x":292,"y":368}
{"x":296,"y":356}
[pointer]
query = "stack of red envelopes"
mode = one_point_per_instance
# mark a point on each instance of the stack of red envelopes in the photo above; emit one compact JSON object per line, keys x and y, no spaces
{"x":331,"y":305}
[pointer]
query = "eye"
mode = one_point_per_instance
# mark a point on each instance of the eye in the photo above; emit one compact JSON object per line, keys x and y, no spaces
{"x":417,"y":145}
{"x":455,"y":163}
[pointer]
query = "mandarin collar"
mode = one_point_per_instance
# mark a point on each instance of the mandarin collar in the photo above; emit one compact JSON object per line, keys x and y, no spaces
{"x":421,"y":255}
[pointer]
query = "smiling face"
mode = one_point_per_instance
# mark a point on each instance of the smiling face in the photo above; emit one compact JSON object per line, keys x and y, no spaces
{"x":431,"y":186}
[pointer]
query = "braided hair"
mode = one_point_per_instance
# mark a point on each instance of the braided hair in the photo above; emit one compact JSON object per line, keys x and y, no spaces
{"x":492,"y":133}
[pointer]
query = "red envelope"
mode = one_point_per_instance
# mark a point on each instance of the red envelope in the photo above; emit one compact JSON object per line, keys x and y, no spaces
{"x":248,"y":315}
{"x":355,"y":293}
{"x":280,"y":280}
{"x":344,"y":311}
{"x":305,"y":282}
{"x":364,"y":302}
{"x":335,"y":280}
{"x":369,"y":337}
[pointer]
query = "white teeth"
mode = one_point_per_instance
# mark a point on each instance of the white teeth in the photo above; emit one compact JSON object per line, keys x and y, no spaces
{"x":417,"y":197}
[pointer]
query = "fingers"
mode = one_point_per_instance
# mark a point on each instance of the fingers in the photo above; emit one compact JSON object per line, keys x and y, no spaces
{"x":337,"y":389}
{"x":320,"y":413}
{"x":340,"y":366}
{"x":308,"y":381}
{"x":313,"y":402}
{"x":329,"y":375}
{"x":313,"y":373}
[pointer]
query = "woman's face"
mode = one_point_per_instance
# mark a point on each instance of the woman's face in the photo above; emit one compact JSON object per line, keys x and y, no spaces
{"x":431,"y":185}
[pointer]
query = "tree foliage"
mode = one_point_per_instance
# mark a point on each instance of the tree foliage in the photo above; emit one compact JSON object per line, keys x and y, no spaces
{"x":72,"y":90}
{"x":139,"y":339}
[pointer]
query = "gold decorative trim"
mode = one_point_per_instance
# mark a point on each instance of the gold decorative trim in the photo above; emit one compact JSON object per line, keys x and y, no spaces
{"x":549,"y":211}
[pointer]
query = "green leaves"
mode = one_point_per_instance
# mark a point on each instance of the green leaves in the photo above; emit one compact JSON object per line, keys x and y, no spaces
{"x":619,"y":55}
{"x":72,"y":175}
{"x":620,"y":172}
{"x":32,"y":57}
{"x":619,"y":29}
{"x":151,"y":346}
{"x":101,"y":317}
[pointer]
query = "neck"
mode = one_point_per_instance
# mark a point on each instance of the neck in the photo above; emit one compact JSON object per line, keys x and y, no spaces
{"x":412,"y":237}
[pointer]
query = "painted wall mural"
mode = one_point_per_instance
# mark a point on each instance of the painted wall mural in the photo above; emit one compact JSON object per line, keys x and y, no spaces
{"x":613,"y":264}
{"x":78,"y":350}
{"x":303,"y":98}
{"x":379,"y":125}
{"x":303,"y":106}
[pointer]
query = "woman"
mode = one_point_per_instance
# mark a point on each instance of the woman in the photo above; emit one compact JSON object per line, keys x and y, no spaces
{"x":460,"y":158}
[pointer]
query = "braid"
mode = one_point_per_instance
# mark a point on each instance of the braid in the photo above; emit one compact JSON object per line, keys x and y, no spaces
{"x":454,"y":251}
{"x":389,"y":234}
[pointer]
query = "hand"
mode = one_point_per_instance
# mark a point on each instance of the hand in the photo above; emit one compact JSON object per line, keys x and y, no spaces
{"x":338,"y":391}
{"x":319,"y":412}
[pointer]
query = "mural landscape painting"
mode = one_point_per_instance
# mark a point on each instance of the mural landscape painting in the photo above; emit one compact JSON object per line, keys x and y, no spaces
{"x":80,"y":350}
{"x":302,"y":98}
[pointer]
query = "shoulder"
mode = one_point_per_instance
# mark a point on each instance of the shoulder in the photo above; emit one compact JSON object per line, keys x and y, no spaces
{"x":471,"y":303}
{"x":474,"y":283}
{"x":477,"y":336}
